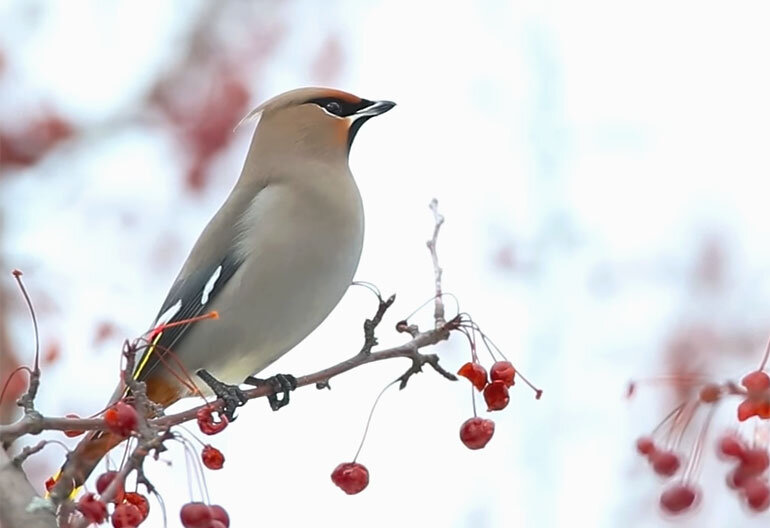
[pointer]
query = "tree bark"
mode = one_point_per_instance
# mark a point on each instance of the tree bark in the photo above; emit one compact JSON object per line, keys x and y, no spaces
{"x":16,"y":493}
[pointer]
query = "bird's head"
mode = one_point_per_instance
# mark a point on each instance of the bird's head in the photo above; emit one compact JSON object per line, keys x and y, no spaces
{"x":318,"y":120}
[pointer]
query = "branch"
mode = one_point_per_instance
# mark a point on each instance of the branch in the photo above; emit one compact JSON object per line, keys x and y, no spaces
{"x":16,"y":495}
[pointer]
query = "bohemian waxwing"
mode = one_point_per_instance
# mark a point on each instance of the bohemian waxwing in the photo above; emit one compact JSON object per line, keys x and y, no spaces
{"x":273,"y":261}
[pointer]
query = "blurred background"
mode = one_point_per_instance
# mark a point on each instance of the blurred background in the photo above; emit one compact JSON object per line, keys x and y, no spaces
{"x":602,"y":167}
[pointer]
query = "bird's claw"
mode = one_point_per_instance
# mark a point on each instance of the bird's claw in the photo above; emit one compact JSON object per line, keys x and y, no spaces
{"x":280,"y":383}
{"x":232,"y":395}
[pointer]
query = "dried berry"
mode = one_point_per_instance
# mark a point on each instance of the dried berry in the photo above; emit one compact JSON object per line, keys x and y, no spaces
{"x":212,"y":457}
{"x":645,"y":445}
{"x":731,"y":445}
{"x":475,"y":373}
{"x":121,"y":419}
{"x":755,"y":459}
{"x":126,"y":516}
{"x":710,"y":393}
{"x":75,"y":432}
{"x":665,"y":463}
{"x":92,"y":508}
{"x":206,"y":421}
{"x":756,"y":381}
{"x":195,"y":515}
{"x":496,"y":396}
{"x":503,"y":371}
{"x":103,"y":482}
{"x":351,"y":477}
{"x":218,"y":513}
{"x":476,"y":432}
{"x":757,"y":494}
{"x":140,"y":501}
{"x":678,"y":498}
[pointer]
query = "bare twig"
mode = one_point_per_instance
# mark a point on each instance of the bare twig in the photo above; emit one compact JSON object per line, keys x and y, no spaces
{"x":438,"y":219}
{"x":370,"y":341}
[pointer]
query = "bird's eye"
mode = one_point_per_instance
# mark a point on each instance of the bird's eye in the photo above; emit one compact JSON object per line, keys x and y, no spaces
{"x":333,"y":107}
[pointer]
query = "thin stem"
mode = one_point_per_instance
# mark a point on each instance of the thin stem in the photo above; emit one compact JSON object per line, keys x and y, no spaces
{"x":11,"y":375}
{"x":369,"y":286}
{"x":17,"y":275}
{"x":426,"y":303}
{"x":668,"y":417}
{"x":689,"y":414}
{"x":694,"y":461}
{"x":764,"y":359}
{"x":487,"y":341}
{"x":473,"y":400}
{"x":369,"y":420}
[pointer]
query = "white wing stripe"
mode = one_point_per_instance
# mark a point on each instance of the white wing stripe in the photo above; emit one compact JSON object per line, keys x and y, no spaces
{"x":210,"y":285}
{"x":169,"y":314}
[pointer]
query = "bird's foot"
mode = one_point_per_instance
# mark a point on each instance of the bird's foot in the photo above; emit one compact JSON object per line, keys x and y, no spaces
{"x":281,"y":383}
{"x":233,"y":396}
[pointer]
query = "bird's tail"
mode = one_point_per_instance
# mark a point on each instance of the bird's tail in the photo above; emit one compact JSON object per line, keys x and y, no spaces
{"x":83,"y":459}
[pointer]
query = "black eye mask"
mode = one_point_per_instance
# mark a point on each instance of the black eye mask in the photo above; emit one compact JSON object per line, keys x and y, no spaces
{"x":340,"y":107}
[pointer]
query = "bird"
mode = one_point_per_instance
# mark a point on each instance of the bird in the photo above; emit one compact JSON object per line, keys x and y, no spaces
{"x":272,"y":263}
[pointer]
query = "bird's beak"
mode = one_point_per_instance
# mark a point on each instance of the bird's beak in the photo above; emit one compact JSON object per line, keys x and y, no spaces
{"x":375,"y":109}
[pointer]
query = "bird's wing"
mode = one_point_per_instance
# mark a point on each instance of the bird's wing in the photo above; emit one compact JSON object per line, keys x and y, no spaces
{"x":189,"y":297}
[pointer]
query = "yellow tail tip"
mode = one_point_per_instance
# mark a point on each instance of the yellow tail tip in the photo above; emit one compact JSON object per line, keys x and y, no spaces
{"x":51,"y":482}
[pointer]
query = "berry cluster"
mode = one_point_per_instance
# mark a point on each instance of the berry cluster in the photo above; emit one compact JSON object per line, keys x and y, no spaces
{"x":476,"y":432}
{"x":131,"y":509}
{"x":749,"y":477}
{"x":200,"y":515}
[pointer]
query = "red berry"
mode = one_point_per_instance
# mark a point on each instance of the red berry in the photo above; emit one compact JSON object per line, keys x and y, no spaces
{"x":757,"y":494}
{"x":678,"y":498}
{"x":50,"y":483}
{"x":206,"y":421}
{"x":121,"y":419}
{"x":92,"y":508}
{"x":140,"y":501}
{"x":218,"y":513}
{"x":73,"y":433}
{"x":756,"y":381}
{"x":476,"y":432}
{"x":104,"y":480}
{"x":195,"y":515}
{"x":731,"y":445}
{"x":216,"y":524}
{"x":212,"y":457}
{"x":475,"y":373}
{"x":739,"y":476}
{"x":503,"y":371}
{"x":710,"y":393}
{"x":351,"y":477}
{"x":126,"y":516}
{"x":645,"y":445}
{"x":755,"y":459}
{"x":665,"y":463}
{"x":746,"y":410}
{"x":496,"y":396}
